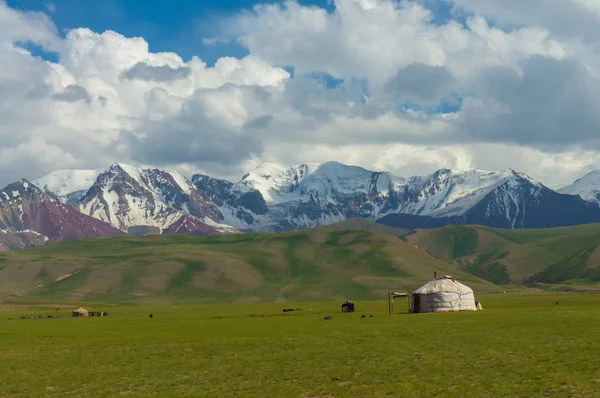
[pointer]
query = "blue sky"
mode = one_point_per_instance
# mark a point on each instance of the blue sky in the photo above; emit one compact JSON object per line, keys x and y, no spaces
{"x":167,"y":25}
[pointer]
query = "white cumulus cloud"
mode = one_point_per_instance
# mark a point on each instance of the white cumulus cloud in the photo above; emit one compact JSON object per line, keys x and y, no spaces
{"x":377,"y":83}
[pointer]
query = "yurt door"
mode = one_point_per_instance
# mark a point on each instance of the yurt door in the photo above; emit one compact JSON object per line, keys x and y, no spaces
{"x":416,"y":303}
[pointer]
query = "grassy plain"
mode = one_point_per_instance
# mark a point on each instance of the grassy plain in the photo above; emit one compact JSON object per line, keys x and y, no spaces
{"x":314,"y":265}
{"x":516,"y":347}
{"x":568,"y":256}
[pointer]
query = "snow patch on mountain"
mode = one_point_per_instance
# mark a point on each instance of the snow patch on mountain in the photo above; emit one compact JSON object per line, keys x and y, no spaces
{"x":182,"y":181}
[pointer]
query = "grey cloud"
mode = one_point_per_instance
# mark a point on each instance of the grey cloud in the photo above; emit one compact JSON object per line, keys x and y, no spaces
{"x":191,"y":137}
{"x":260,"y":122}
{"x":72,"y":93}
{"x":164,"y":73}
{"x":421,"y":83}
{"x":319,"y":104}
{"x":552,"y":105}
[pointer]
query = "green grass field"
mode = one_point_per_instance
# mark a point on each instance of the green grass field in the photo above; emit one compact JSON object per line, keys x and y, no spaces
{"x":315,"y":265}
{"x":518,"y":346}
{"x":568,"y":256}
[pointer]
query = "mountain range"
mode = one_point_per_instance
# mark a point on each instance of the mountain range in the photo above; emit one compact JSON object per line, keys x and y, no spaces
{"x":124,"y":199}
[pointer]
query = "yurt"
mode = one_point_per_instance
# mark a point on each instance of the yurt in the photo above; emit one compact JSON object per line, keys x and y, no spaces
{"x":80,"y":312}
{"x":443,"y":294}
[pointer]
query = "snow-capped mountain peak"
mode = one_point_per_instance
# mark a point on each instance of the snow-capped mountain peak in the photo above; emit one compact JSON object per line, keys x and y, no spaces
{"x":67,"y":184}
{"x":279,"y":184}
{"x":18,"y":190}
{"x":587,"y":187}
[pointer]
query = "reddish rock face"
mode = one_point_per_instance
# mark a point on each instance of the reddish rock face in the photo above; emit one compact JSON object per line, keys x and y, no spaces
{"x":190,"y":226}
{"x":26,"y":211}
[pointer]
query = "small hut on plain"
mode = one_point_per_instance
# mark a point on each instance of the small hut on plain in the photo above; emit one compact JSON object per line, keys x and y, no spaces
{"x":348,"y":306}
{"x":443,"y":294}
{"x":80,"y":312}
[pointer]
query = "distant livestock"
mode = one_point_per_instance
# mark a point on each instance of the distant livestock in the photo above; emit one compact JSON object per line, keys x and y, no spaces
{"x":98,"y":313}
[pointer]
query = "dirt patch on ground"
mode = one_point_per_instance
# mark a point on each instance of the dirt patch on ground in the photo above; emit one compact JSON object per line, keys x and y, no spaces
{"x":594,"y":258}
{"x":276,"y":260}
{"x":65,"y":276}
{"x":22,"y":278}
{"x":156,"y":277}
{"x":229,"y":272}
{"x":347,"y":238}
{"x":103,"y":279}
{"x":248,"y":300}
{"x":319,"y":236}
{"x":360,"y":248}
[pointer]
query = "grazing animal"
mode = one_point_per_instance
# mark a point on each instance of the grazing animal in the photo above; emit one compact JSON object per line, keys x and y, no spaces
{"x":557,"y":303}
{"x":151,"y":316}
{"x":328,"y":317}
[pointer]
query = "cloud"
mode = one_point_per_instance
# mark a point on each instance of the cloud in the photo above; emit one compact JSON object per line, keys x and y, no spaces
{"x":421,"y":83}
{"x":215,"y":41}
{"x":72,"y":93}
{"x":562,"y":18}
{"x":259,"y":122}
{"x":511,"y":86}
{"x":550,"y":104}
{"x":163,"y":73}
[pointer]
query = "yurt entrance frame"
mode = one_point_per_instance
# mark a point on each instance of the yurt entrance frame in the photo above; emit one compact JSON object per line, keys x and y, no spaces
{"x":391,"y":296}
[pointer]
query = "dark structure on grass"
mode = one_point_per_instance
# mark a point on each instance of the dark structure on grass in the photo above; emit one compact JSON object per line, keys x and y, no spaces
{"x":80,"y":312}
{"x":348,"y":306}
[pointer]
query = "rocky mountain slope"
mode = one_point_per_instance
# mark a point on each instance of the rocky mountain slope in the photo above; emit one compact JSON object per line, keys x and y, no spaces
{"x":29,"y":217}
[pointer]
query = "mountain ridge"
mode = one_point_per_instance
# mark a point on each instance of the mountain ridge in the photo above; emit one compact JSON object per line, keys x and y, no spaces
{"x":278,"y":198}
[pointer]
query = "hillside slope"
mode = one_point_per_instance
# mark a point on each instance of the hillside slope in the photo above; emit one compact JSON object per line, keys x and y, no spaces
{"x":547,"y":256}
{"x":298,"y":266}
{"x":366,"y":225}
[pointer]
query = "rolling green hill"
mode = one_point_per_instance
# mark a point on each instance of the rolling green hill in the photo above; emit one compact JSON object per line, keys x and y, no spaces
{"x":569,"y":255}
{"x":366,"y":225}
{"x":312,"y":265}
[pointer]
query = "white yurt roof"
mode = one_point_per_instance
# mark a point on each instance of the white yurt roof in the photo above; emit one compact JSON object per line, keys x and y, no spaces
{"x":444,"y":284}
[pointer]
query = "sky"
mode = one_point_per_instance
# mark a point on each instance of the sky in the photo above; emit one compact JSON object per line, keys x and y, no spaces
{"x":219,"y":87}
